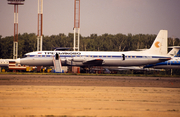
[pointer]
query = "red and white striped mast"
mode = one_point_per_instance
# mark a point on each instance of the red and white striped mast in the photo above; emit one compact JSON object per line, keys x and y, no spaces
{"x":40,"y":25}
{"x":15,"y":43}
{"x":76,"y":23}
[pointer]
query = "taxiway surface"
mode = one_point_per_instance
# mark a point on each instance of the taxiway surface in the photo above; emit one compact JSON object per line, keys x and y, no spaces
{"x":72,"y":95}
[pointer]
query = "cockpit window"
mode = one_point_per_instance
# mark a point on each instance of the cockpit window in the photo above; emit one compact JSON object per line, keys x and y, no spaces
{"x":24,"y":56}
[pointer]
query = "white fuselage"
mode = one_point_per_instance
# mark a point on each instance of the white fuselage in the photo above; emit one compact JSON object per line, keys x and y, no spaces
{"x":90,"y":58}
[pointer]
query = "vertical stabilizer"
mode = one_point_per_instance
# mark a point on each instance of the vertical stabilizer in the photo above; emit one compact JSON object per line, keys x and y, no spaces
{"x":178,"y":54}
{"x":175,"y":51}
{"x":159,"y":46}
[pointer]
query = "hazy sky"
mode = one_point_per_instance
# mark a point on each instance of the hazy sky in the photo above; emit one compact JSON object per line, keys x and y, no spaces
{"x":97,"y":16}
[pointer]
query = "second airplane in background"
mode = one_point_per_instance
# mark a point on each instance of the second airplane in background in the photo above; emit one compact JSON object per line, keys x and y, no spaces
{"x":174,"y":63}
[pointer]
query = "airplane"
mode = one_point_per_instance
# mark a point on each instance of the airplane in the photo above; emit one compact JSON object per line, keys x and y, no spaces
{"x":157,"y":53}
{"x":12,"y":65}
{"x":5,"y":62}
{"x":174,"y":63}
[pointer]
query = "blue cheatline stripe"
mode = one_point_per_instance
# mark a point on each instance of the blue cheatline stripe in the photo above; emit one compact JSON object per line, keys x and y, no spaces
{"x":101,"y":56}
{"x":158,"y":57}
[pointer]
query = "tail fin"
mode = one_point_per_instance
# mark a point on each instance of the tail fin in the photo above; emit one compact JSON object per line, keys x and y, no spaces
{"x":178,"y":54}
{"x":159,"y":46}
{"x":175,"y":52}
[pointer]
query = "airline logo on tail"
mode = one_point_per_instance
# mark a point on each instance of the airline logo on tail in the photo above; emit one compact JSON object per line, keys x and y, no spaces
{"x":157,"y":44}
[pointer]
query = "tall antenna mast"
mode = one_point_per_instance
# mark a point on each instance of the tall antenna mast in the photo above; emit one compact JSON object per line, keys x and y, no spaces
{"x":76,"y":23}
{"x":40,"y":25}
{"x":15,"y":43}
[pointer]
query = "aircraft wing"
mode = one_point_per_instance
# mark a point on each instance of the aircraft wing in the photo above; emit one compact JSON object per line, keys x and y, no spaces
{"x":93,"y":62}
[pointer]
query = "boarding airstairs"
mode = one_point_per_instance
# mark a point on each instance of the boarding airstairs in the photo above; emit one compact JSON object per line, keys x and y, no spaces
{"x":57,"y":63}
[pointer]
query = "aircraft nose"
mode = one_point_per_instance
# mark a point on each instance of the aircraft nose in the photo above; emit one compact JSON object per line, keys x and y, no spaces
{"x":18,"y":60}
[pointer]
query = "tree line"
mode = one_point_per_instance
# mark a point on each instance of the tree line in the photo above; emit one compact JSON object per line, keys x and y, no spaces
{"x":105,"y":42}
